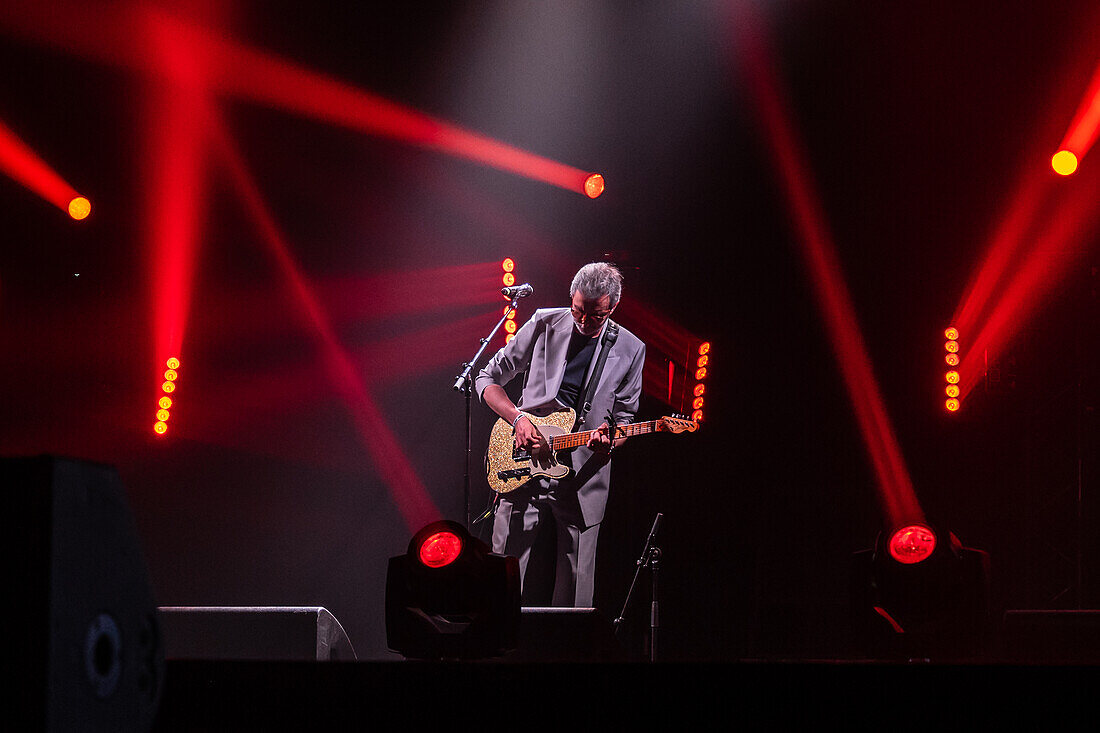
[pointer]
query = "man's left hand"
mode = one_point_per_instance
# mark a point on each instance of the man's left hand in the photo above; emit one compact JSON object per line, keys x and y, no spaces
{"x":600,"y":440}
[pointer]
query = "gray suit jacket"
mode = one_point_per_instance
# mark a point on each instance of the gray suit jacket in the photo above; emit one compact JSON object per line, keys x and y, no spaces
{"x":539,"y":349}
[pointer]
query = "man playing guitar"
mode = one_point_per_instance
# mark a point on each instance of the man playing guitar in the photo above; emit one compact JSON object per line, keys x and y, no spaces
{"x":560,"y":350}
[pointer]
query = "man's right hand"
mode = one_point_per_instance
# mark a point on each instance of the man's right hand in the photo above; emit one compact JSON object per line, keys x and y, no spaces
{"x":530,"y":439}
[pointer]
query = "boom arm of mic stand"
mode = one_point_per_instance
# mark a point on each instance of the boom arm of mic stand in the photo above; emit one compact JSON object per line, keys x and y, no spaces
{"x":464,"y":382}
{"x":467,"y":369}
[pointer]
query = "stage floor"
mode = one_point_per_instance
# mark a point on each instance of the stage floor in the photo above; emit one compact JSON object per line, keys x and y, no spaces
{"x":225,"y":695}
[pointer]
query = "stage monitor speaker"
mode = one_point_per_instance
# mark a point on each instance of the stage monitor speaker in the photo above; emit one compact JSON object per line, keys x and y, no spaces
{"x":548,"y":634}
{"x":1052,"y":637}
{"x":282,"y":633}
{"x":86,"y":647}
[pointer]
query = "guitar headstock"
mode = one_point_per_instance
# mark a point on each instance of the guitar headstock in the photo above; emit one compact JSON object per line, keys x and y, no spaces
{"x":676,"y":424}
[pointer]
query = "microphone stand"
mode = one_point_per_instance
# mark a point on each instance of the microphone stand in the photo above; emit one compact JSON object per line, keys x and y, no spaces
{"x":464,"y":382}
{"x":650,"y":558}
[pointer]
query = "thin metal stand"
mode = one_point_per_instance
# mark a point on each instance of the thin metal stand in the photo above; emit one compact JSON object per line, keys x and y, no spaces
{"x":651,"y":559}
{"x":464,"y":382}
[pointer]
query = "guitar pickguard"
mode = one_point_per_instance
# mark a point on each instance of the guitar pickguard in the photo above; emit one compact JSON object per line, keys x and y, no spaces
{"x":507,"y":469}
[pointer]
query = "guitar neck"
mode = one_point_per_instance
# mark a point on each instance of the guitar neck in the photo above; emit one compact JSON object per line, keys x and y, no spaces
{"x":573,"y":440}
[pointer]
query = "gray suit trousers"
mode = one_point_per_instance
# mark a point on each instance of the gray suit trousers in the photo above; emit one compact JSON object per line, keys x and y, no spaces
{"x":544,"y":529}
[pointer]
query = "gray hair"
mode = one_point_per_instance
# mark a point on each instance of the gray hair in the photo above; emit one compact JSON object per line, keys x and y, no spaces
{"x":597,"y":279}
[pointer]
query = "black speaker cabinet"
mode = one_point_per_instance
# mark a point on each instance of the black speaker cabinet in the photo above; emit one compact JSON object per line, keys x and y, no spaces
{"x":548,"y":634}
{"x":87,"y":649}
{"x":261,"y":632}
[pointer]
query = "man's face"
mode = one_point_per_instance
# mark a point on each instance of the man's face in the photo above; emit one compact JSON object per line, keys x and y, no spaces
{"x":590,"y":314}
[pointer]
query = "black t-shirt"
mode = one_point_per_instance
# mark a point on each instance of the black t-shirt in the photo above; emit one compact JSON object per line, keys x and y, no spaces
{"x":577,"y":359}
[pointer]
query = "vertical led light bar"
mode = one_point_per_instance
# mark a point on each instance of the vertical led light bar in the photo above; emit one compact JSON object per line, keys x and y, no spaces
{"x":702,"y":366}
{"x":951,"y":346}
{"x":164,"y":402}
{"x":508,"y":265}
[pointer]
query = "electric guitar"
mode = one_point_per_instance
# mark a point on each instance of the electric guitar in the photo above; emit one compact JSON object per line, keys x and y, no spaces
{"x":509,"y":468}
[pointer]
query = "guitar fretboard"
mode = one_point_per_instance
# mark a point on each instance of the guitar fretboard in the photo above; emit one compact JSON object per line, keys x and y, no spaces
{"x":573,"y":440}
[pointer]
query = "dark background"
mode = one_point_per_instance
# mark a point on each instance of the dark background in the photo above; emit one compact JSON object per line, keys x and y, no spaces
{"x":917,"y":119}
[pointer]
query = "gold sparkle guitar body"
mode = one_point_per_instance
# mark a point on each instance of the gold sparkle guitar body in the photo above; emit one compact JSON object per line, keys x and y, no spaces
{"x":508,"y":468}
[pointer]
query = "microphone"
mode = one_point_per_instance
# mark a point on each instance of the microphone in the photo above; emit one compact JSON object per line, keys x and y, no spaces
{"x":518,"y":291}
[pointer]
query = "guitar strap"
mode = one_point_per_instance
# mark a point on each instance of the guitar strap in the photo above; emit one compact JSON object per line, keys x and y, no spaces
{"x":609,"y":335}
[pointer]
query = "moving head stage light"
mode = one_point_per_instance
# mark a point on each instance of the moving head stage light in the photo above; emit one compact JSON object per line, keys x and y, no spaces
{"x":448,"y":597}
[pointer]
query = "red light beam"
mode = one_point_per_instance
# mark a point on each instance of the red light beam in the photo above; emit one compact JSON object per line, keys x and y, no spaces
{"x":236,"y":70}
{"x":1083,"y":129}
{"x":894,"y":484}
{"x":24,"y":166}
{"x":407,"y":491}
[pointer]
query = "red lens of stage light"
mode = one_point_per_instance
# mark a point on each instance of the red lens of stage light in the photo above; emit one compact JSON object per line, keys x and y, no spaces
{"x":701,"y":373}
{"x":952,"y":405}
{"x":1064,"y":163}
{"x":162,"y":415}
{"x":700,"y":389}
{"x":160,"y":428}
{"x":79,"y":208}
{"x":952,"y":359}
{"x":508,"y":264}
{"x":952,"y":346}
{"x":509,"y":279}
{"x":173,"y":363}
{"x":704,"y":348}
{"x":697,"y":404}
{"x":509,"y":311}
{"x":510,"y":326}
{"x":171,"y":375}
{"x":697,"y":416}
{"x":165,"y":403}
{"x":593,"y":185}
{"x":168,"y":387}
{"x":508,"y":337}
{"x":951,"y":334}
{"x":952,"y":390}
{"x":952,"y":377}
{"x":702,"y":361}
{"x":440,"y":549}
{"x":909,"y":545}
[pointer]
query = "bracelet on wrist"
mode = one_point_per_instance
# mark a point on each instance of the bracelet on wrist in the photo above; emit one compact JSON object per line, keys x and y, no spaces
{"x":516,"y":421}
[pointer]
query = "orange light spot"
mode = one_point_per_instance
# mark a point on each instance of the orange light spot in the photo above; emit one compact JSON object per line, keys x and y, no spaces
{"x":951,"y":334}
{"x":952,"y":346}
{"x":509,"y":279}
{"x":510,"y":326}
{"x":952,"y":377}
{"x":160,"y":428}
{"x":912,"y":544}
{"x":162,"y":415}
{"x":704,"y":348}
{"x":700,"y":373}
{"x":510,"y":312}
{"x":1064,"y":163}
{"x":168,"y":387}
{"x":508,"y":264}
{"x":952,"y":404}
{"x":171,"y":375}
{"x":508,"y":337}
{"x":440,"y":549}
{"x":952,"y":359}
{"x":593,"y":185}
{"x":700,"y":389}
{"x":79,"y":208}
{"x":952,"y":390}
{"x":697,"y":404}
{"x":165,"y":402}
{"x":173,"y":363}
{"x":702,"y":361}
{"x":697,"y":416}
